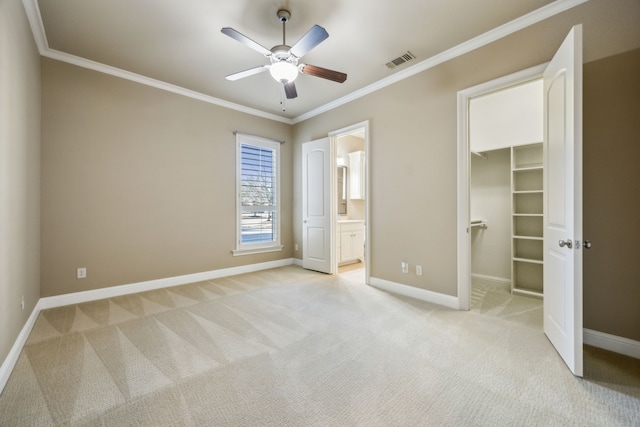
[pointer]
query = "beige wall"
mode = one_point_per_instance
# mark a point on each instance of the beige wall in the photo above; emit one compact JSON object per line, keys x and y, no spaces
{"x":612,"y":195}
{"x":19,"y":172}
{"x":413,"y":146}
{"x":139,"y":183}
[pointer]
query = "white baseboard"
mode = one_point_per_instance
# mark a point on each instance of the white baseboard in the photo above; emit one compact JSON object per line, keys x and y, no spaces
{"x":116,"y":291}
{"x":12,"y":358}
{"x":410,"y":291}
{"x":602,"y":340}
{"x":613,"y":343}
{"x":79,"y":297}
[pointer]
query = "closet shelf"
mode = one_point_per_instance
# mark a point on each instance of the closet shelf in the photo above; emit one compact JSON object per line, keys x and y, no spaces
{"x":527,"y":189}
{"x":527,"y":168}
{"x":528,"y":237}
{"x":530,"y":261}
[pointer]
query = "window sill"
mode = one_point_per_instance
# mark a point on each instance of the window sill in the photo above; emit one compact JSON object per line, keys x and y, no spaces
{"x":240,"y":252}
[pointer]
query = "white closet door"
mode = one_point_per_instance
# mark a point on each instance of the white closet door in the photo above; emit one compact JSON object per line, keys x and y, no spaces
{"x":563,"y":201}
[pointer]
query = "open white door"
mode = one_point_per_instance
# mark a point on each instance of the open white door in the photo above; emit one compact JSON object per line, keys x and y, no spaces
{"x":563,"y":201}
{"x":316,"y":206}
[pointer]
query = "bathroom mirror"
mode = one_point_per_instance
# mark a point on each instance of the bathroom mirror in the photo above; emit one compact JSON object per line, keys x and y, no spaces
{"x":342,"y":190}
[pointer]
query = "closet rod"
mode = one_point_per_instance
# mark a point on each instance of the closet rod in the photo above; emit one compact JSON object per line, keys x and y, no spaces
{"x":479,"y":223}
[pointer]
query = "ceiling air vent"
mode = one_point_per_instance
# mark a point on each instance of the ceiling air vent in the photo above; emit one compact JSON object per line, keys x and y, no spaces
{"x":401,"y":60}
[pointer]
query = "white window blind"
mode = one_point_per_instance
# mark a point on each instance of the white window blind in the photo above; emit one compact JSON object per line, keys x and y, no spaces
{"x":258,"y":194}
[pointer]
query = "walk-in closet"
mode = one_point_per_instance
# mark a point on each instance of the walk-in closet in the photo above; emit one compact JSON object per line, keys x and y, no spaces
{"x":506,"y":189}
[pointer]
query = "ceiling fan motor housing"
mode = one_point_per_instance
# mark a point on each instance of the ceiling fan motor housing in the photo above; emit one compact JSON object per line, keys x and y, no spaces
{"x":280,"y":51}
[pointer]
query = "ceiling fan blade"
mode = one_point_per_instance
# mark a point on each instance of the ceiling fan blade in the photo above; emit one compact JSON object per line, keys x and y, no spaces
{"x":247,"y":73}
{"x":290,"y":90}
{"x":323,"y":73}
{"x":246,"y":41}
{"x":311,"y":39}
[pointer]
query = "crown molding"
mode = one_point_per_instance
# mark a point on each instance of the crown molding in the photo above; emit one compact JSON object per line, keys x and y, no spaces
{"x":37,"y":27}
{"x":35,"y":22}
{"x":118,"y":72}
{"x":497,"y":33}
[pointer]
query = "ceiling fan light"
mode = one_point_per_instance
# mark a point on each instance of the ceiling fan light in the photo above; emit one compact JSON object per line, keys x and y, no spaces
{"x":283,"y":71}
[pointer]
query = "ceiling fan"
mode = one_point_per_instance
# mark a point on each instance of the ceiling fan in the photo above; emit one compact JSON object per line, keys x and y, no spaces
{"x":284,"y":67}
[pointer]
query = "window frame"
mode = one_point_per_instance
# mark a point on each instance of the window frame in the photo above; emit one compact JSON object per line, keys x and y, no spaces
{"x":258,"y":247}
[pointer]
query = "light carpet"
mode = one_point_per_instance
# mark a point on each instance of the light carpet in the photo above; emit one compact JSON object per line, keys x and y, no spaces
{"x":290,"y":347}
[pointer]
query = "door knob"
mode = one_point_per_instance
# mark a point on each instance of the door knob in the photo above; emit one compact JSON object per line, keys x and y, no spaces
{"x":587,"y":244}
{"x":568,"y":243}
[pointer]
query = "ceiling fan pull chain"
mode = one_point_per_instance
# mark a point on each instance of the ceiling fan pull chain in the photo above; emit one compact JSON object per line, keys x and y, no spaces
{"x":283,"y":99}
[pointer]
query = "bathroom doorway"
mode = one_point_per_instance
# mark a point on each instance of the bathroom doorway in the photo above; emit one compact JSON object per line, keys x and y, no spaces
{"x":351,"y":207}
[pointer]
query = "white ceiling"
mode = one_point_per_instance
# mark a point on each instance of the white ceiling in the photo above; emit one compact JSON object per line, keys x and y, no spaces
{"x":179,"y":45}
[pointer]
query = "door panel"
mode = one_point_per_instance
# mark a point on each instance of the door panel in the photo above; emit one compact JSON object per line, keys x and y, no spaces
{"x":316,"y":206}
{"x":563,"y":201}
{"x":556,"y":159}
{"x":315,"y":235}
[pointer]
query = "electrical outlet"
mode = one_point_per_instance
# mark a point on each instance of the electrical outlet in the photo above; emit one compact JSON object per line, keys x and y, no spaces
{"x":418,"y":270}
{"x":81,"y":273}
{"x":22,"y":303}
{"x":405,"y":267}
{"x":295,"y":247}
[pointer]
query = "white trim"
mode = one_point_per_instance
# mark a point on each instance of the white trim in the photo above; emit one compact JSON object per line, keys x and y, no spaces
{"x":464,"y":216}
{"x":241,"y":252}
{"x":545,"y":12}
{"x":127,"y":75}
{"x":513,"y":79}
{"x":32,"y":10}
{"x":79,"y":297}
{"x":602,"y":340}
{"x":12,"y":358}
{"x":243,"y":139}
{"x":490,"y":36}
{"x":115,"y":291}
{"x":350,"y":129}
{"x":613,"y":343}
{"x":463,"y":153}
{"x":367,"y":185}
{"x":417,"y":293}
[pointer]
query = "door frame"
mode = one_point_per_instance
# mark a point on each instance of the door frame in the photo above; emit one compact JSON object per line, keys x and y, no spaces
{"x":333,"y":136}
{"x":464,"y":165}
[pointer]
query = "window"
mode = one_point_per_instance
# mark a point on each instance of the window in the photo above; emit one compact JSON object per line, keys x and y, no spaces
{"x":258,"y":194}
